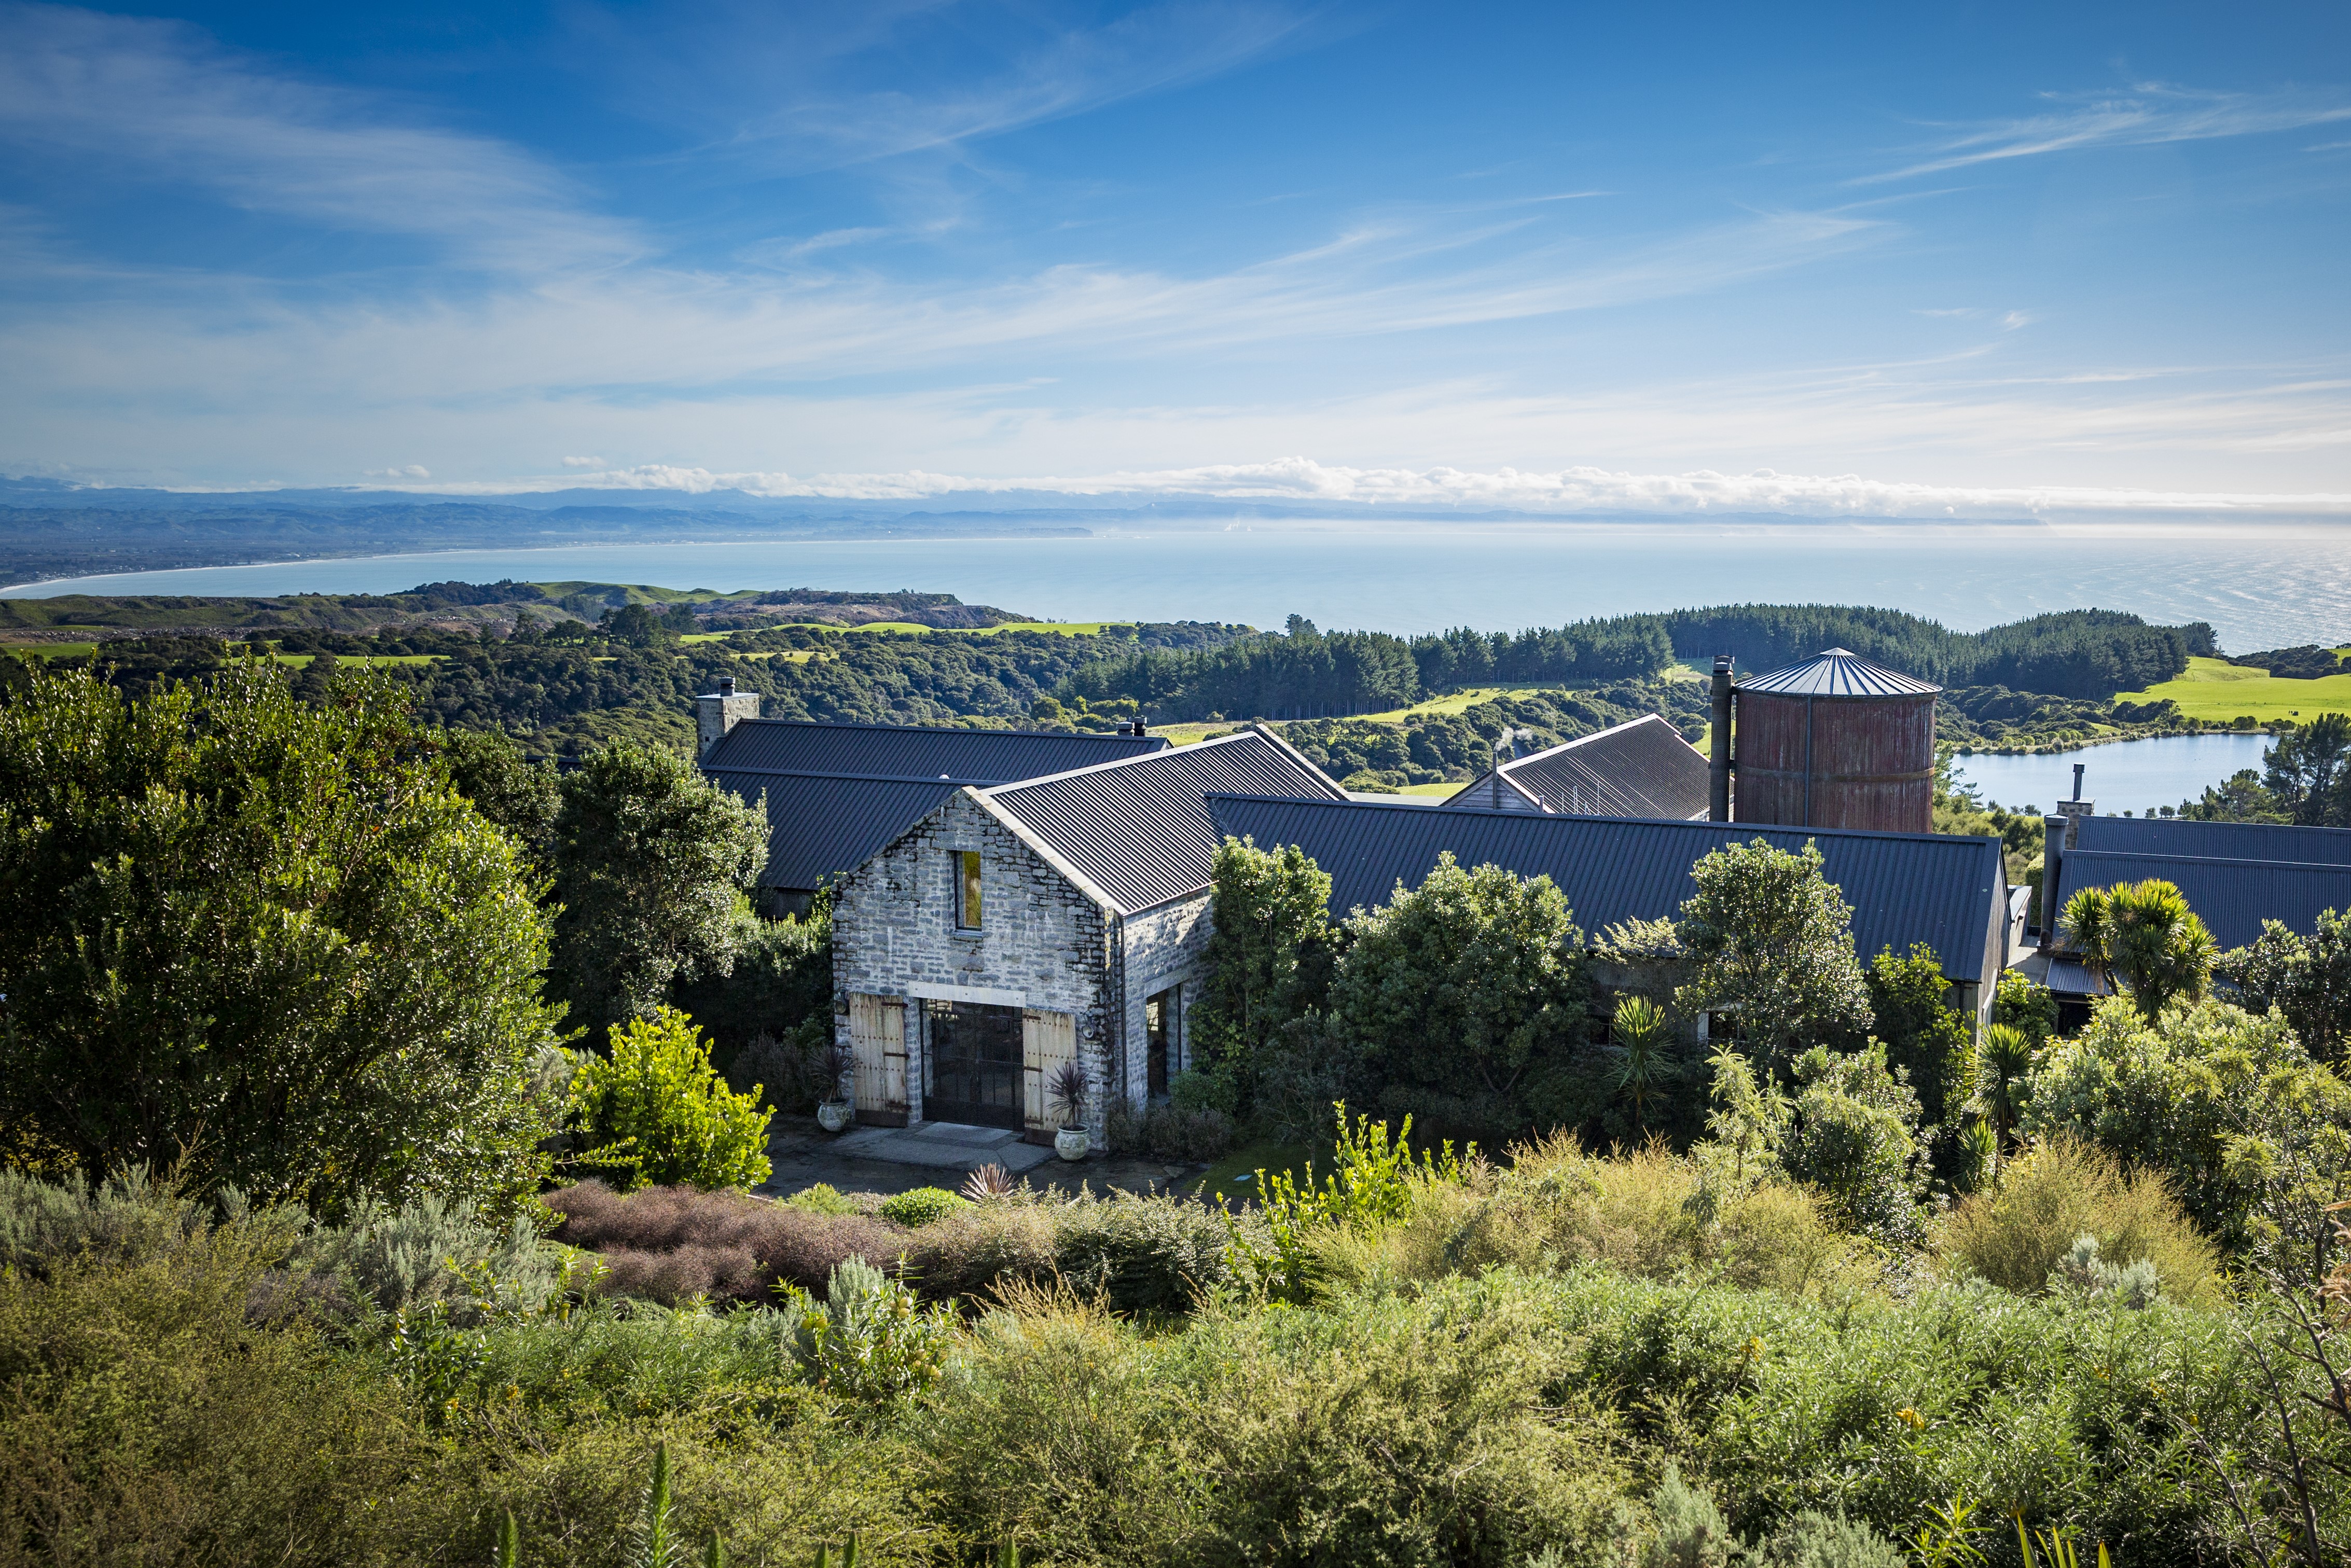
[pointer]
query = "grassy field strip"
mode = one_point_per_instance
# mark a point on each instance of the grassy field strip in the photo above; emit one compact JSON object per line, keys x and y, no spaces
{"x":2213,"y":689}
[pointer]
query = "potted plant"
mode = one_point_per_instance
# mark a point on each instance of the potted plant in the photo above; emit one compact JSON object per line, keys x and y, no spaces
{"x":834,"y":1110}
{"x":1066,"y":1089}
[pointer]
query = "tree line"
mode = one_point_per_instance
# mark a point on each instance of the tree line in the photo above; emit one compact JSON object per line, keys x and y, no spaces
{"x":1305,"y":673}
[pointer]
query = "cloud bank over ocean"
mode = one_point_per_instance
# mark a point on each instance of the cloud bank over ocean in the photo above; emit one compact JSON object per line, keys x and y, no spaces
{"x":1567,"y":491}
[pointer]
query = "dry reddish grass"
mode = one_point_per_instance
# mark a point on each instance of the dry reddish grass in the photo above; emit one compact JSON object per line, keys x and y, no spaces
{"x":667,"y":1243}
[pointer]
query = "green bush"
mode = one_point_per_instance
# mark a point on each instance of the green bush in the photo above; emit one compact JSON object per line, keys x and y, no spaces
{"x":2015,"y":1234}
{"x":821,"y":1197}
{"x":920,"y":1206}
{"x":1650,"y":1213}
{"x":869,"y":1340}
{"x":655,"y":1111}
{"x":1428,"y":1432}
{"x":145,"y":1418}
{"x":1131,"y":1254}
{"x":266,"y":933}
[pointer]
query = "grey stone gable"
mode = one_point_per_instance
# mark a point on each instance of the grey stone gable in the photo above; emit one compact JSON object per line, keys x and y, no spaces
{"x":1047,"y":942}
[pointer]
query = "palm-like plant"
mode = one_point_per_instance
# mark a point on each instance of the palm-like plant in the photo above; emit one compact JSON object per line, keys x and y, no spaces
{"x":2144,"y":934}
{"x":1639,"y":1029}
{"x":1066,"y":1091}
{"x":834,"y":1064}
{"x":2003,"y":1063}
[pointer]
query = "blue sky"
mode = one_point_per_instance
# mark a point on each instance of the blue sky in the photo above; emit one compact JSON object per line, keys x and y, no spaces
{"x":1933,"y":261}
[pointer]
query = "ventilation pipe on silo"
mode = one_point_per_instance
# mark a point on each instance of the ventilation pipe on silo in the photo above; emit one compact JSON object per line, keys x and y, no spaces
{"x":1718,"y":793}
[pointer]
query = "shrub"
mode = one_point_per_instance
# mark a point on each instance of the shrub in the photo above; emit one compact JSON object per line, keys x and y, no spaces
{"x":787,"y":1070}
{"x":780,"y":982}
{"x":1130,"y":1254}
{"x":2015,"y":1234}
{"x":1816,"y":1540}
{"x":1853,"y":1134}
{"x":1140,"y":1254}
{"x":869,"y":1340}
{"x":426,"y":1251}
{"x":920,"y":1206}
{"x":655,"y":1111}
{"x":267,"y":933}
{"x":633,"y":1233}
{"x":1691,"y":1532}
{"x":1650,"y":1214}
{"x":820,"y":1199}
{"x":144,"y":1418}
{"x":2254,"y":1136}
{"x":1384,"y":1432}
{"x":1170,"y":1131}
{"x":970,"y":1252}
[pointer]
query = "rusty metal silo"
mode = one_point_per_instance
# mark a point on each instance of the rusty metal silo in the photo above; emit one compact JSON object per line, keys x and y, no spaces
{"x":1836,"y":742}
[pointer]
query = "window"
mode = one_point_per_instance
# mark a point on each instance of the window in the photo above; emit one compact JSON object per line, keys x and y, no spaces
{"x":1162,"y":1050}
{"x":968,"y":889}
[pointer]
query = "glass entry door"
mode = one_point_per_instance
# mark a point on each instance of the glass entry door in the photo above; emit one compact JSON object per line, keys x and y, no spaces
{"x":971,"y":1064}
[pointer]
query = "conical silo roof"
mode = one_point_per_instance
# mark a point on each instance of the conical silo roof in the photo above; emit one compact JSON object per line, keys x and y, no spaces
{"x":1839,"y":673}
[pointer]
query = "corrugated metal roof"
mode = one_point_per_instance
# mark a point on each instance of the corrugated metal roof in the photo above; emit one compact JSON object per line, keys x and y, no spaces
{"x":912,"y":751}
{"x":1642,"y":768}
{"x":838,"y":793}
{"x":2215,"y":840}
{"x":1838,"y":673}
{"x":2076,"y":978}
{"x":823,"y":825}
{"x":2232,"y":896}
{"x":1903,"y":887}
{"x":1139,"y":829}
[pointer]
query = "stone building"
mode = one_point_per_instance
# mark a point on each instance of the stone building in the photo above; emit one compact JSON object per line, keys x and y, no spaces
{"x":1016,"y":928}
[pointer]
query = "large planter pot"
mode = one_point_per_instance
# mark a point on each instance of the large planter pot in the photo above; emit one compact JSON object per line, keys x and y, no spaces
{"x":835,"y":1116}
{"x":1071,"y":1143}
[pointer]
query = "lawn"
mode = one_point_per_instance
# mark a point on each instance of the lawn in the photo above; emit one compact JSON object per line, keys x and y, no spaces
{"x":2213,"y":689}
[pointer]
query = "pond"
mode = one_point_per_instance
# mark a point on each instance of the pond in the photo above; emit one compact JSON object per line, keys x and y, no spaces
{"x":2122,"y":776}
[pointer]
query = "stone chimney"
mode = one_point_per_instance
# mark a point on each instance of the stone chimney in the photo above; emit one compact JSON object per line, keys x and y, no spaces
{"x":716,"y":712}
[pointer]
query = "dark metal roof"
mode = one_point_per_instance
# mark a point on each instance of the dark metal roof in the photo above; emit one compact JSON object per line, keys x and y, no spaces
{"x":910,"y":751}
{"x":2232,"y":896}
{"x":823,"y":825}
{"x":2076,"y":979}
{"x":1838,"y":673}
{"x":1903,"y":887}
{"x":838,"y":793}
{"x":1140,"y":831}
{"x":1642,"y":768}
{"x":2215,"y":840}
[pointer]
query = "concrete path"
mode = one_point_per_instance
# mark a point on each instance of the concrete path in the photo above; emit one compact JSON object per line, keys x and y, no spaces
{"x":941,"y":1153}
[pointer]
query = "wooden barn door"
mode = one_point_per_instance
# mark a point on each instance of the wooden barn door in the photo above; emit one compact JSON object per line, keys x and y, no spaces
{"x":1048,"y":1039}
{"x":877,"y":1033}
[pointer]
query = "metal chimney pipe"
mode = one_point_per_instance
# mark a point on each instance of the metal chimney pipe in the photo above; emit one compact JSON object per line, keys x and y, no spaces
{"x":2078,"y":767}
{"x":1717,"y":785}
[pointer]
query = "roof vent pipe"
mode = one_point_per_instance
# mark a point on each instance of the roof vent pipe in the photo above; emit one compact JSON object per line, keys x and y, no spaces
{"x":1717,"y":781}
{"x":2077,"y":779}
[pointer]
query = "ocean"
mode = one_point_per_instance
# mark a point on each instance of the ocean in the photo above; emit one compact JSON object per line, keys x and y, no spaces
{"x":2259,"y":586}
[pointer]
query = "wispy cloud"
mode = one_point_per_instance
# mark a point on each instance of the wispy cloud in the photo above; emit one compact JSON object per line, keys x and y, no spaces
{"x":2147,"y":115}
{"x":1058,"y":71}
{"x":164,"y":101}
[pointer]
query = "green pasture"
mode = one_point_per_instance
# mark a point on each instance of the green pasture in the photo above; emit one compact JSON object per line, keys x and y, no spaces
{"x":2216,"y":690}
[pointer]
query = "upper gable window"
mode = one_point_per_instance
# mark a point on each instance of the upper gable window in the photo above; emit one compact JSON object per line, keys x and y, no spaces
{"x":968,"y":906}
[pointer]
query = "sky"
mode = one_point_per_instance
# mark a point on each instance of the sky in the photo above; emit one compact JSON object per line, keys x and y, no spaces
{"x":1939,"y":261}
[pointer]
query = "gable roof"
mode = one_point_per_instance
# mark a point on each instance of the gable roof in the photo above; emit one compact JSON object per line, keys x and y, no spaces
{"x":913,"y":751}
{"x":1642,"y":768}
{"x":1139,"y":830}
{"x":2217,"y":841}
{"x":1947,"y":892}
{"x":2231,"y":896}
{"x":837,"y":794}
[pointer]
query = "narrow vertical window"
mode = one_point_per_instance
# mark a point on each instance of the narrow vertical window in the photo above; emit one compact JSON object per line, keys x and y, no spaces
{"x":967,"y":886}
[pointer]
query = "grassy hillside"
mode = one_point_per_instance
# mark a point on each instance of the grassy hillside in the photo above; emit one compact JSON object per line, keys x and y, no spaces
{"x":2216,"y":690}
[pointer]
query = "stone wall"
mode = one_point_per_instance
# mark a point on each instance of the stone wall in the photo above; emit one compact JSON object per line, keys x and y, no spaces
{"x":1041,"y":944}
{"x":1166,"y":946}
